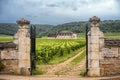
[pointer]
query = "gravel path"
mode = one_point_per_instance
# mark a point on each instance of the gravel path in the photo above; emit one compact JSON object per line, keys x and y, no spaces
{"x":74,"y":70}
{"x":48,"y":77}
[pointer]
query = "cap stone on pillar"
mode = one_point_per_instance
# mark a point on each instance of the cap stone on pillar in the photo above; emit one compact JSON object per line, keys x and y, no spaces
{"x":23,"y":22}
{"x":94,"y":21}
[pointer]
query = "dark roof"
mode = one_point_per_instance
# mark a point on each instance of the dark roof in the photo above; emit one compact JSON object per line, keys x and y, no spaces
{"x":7,"y":45}
{"x":65,"y":33}
{"x":61,"y":33}
{"x":52,"y":35}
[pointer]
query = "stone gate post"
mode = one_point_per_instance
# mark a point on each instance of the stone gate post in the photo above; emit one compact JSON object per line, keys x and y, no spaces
{"x":22,"y":40}
{"x":94,"y":43}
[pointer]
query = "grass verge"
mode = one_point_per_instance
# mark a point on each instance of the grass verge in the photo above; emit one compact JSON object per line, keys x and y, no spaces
{"x":83,"y":74}
{"x":112,"y":35}
{"x":6,"y":38}
{"x":37,"y":72}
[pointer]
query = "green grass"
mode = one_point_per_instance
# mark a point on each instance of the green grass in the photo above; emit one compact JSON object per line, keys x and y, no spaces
{"x":2,"y":66}
{"x":37,"y":72}
{"x":81,"y":35}
{"x":107,"y":35}
{"x":112,"y":35}
{"x":79,"y":58}
{"x":4,"y":38}
{"x":83,"y":74}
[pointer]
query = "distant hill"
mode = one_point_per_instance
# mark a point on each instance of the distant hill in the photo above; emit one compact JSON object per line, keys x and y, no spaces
{"x":76,"y":27}
{"x":41,"y":30}
{"x":8,"y":28}
{"x":79,"y":27}
{"x":11,"y":29}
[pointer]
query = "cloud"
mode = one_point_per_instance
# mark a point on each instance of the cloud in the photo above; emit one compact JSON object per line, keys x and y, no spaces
{"x":58,"y":11}
{"x":52,"y":5}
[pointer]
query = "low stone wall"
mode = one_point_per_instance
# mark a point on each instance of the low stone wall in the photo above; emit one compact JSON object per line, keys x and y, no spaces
{"x":16,"y":55}
{"x":112,"y":42}
{"x":109,"y":66}
{"x":110,"y":58}
{"x":9,"y":57}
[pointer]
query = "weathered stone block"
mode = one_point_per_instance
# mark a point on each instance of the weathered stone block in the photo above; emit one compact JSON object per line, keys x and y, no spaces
{"x":101,"y":43}
{"x":111,"y":66}
{"x":89,"y":64}
{"x":101,"y":57}
{"x":109,"y":52}
{"x":94,"y":48}
{"x":95,"y":63}
{"x":9,"y":54}
{"x":95,"y":55}
{"x":94,"y":72}
{"x":8,"y":62}
{"x":89,"y":47}
{"x":94,"y":39}
{"x":95,"y":31}
{"x":89,"y":55}
{"x":24,"y":63}
{"x":25,"y":71}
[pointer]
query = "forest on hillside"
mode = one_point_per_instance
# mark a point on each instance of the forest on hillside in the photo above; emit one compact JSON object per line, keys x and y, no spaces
{"x":76,"y":27}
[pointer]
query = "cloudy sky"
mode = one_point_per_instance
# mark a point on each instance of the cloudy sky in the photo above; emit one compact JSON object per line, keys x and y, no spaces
{"x":58,"y":11}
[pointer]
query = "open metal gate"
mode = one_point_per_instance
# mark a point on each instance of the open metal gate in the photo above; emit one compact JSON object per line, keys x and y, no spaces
{"x":86,"y":49}
{"x":33,"y":47}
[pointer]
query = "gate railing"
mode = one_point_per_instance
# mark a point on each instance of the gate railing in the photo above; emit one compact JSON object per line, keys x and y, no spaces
{"x":86,"y":49}
{"x":33,"y":47}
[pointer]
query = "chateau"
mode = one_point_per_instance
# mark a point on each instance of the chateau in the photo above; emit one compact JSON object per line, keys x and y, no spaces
{"x":63,"y":35}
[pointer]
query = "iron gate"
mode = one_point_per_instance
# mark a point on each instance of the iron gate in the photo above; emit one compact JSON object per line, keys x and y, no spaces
{"x":86,"y":49}
{"x":33,"y":47}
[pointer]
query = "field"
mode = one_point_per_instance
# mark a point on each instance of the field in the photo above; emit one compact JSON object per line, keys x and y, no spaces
{"x":112,"y":35}
{"x":106,"y":35}
{"x":54,"y":51}
{"x":4,"y":38}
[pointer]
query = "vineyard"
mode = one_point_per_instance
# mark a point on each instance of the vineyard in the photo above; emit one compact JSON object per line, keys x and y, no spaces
{"x":52,"y":50}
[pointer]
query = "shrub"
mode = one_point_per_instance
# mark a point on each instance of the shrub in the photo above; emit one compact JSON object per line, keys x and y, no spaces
{"x":37,"y":72}
{"x":1,"y":65}
{"x":83,"y":73}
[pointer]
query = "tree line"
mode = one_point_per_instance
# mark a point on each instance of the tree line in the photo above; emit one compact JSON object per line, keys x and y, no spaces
{"x":76,"y":27}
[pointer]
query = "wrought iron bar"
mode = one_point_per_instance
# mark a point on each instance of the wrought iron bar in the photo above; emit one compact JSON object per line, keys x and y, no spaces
{"x":33,"y":47}
{"x":86,"y":49}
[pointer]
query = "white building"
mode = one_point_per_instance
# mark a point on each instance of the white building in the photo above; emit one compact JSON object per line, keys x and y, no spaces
{"x":65,"y":35}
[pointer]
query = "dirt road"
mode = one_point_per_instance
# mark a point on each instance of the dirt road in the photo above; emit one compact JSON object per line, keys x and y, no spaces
{"x":62,"y":65}
{"x":16,"y":77}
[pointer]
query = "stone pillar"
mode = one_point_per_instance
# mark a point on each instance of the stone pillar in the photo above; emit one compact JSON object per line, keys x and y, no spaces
{"x":94,"y":43}
{"x":22,"y":40}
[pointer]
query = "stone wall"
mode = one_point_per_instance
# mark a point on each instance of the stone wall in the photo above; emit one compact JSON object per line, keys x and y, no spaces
{"x":16,"y":55}
{"x":9,"y":57}
{"x":110,"y":57}
{"x":103,"y":53}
